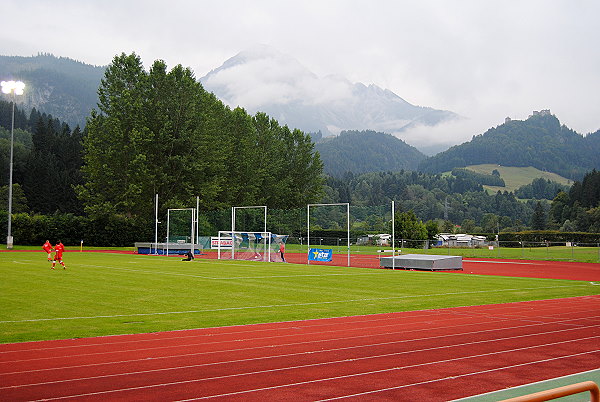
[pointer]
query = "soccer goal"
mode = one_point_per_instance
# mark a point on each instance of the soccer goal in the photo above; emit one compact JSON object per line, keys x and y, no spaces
{"x":251,"y":246}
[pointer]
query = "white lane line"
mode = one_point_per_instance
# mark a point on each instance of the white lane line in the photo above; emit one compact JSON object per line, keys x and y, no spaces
{"x":331,"y":378}
{"x":217,"y":342}
{"x":312,"y":353}
{"x":455,"y":376}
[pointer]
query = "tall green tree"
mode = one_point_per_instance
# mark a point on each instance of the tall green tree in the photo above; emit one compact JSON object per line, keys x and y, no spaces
{"x":408,"y":226}
{"x":161,"y":132}
{"x":538,"y":220}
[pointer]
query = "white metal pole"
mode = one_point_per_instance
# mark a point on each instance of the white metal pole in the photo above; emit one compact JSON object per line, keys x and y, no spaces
{"x":168,"y":222}
{"x":156,"y":225}
{"x":348,"y":217}
{"x":9,"y":238}
{"x":219,"y":246}
{"x":308,"y":234}
{"x":197,"y":219}
{"x":232,"y":230}
{"x":192,"y":229}
{"x":265,"y":220}
{"x":393,"y":239}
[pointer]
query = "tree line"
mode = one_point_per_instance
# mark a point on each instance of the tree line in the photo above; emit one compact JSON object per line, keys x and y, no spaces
{"x":156,"y":132}
{"x":160,"y":132}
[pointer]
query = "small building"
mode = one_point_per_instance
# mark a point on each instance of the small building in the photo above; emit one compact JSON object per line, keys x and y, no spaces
{"x":544,"y":112}
{"x":382,"y":239}
{"x":460,"y":240}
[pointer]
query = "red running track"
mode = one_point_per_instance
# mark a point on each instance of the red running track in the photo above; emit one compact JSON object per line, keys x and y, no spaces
{"x":581,"y":271}
{"x":431,"y":355}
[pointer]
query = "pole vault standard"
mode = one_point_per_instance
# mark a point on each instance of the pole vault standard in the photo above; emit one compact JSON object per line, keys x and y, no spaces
{"x":192,"y":224}
{"x":308,"y":225}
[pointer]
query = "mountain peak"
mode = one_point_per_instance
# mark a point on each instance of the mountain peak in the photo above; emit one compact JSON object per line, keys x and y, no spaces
{"x":263,"y":79}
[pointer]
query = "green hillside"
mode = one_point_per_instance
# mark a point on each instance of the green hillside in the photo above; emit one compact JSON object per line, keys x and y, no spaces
{"x":59,"y":86}
{"x":515,"y":177}
{"x":540,"y":141}
{"x":367,"y":151}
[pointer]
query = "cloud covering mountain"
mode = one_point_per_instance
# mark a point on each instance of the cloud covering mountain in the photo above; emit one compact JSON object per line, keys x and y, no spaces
{"x":264,"y":79}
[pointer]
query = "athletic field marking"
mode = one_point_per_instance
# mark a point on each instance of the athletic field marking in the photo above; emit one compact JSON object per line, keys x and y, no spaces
{"x":343,"y":330}
{"x":500,"y":262}
{"x":289,"y":305}
{"x":306,"y":353}
{"x":458,"y":376}
{"x":334,"y":378}
{"x":232,"y":277}
{"x":370,"y":271}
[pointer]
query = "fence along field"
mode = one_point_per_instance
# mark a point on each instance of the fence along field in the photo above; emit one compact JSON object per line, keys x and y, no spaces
{"x":104,"y":294}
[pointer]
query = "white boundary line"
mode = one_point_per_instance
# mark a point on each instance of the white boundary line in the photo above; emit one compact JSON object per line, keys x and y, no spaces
{"x":290,"y":304}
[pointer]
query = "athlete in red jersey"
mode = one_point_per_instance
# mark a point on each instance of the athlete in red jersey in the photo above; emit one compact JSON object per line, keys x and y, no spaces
{"x":47,"y":247}
{"x":58,"y":252}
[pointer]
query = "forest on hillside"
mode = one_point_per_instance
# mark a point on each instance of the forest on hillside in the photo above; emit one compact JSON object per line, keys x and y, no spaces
{"x":59,"y":86}
{"x":540,"y":141}
{"x":367,"y":151}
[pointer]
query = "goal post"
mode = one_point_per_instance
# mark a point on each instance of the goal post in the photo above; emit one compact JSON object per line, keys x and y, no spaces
{"x":251,"y":246}
{"x":347,"y":205}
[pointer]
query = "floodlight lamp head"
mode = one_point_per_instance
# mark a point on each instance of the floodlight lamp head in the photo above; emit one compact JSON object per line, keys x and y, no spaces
{"x":9,"y":86}
{"x":19,"y":88}
{"x":6,"y":87}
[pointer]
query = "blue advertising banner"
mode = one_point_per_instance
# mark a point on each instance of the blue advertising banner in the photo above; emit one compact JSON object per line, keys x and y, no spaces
{"x":320,"y":254}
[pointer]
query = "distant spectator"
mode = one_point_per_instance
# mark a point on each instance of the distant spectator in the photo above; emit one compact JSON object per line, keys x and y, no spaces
{"x":189,"y":256}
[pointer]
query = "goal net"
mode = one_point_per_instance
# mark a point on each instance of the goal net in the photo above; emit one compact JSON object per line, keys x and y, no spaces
{"x":251,"y":246}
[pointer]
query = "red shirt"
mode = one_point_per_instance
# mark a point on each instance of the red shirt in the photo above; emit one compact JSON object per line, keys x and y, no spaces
{"x":59,"y":249}
{"x":47,"y":247}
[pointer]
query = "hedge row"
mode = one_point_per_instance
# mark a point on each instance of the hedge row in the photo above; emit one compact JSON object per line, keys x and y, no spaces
{"x":550,"y":236}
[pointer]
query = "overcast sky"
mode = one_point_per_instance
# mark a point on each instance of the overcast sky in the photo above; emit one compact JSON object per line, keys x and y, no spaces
{"x":483,"y":59}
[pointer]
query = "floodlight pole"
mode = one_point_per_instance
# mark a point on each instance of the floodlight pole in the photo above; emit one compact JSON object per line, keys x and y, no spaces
{"x":14,"y":88}
{"x":9,"y":238}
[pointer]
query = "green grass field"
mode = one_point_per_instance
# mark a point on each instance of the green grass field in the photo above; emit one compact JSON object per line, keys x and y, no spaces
{"x":103,"y":294}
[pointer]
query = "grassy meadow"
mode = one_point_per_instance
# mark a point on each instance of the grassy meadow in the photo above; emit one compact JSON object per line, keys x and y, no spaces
{"x":515,"y":177}
{"x":104,"y":294}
